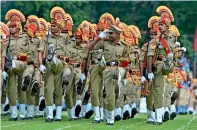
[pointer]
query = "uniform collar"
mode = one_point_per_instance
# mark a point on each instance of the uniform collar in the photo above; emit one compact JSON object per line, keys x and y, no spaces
{"x":61,"y":35}
{"x":78,"y":46}
{"x":12,"y":38}
{"x":119,"y":43}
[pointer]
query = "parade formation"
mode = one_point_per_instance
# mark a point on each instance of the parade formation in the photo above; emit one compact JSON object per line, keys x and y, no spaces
{"x":98,"y":70}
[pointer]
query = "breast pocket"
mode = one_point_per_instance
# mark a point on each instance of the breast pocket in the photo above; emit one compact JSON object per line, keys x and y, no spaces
{"x":107,"y":54}
{"x":12,"y":47}
{"x":24,"y":45}
{"x":34,"y":46}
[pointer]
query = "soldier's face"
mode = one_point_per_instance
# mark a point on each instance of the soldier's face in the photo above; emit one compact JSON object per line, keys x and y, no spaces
{"x":54,"y":29}
{"x":78,"y":40}
{"x":14,"y":31}
{"x":153,"y":35}
{"x":162,"y":27}
{"x":113,"y":36}
{"x":99,"y":30}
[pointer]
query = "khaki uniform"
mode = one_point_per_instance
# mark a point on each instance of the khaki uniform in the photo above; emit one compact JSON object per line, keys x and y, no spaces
{"x":158,"y":82}
{"x":132,"y":82}
{"x":156,"y":86}
{"x":72,"y":74}
{"x":167,"y":93}
{"x":110,"y":75}
{"x":120,"y":95}
{"x":96,"y":76}
{"x":3,"y":89}
{"x":32,"y":70}
{"x":17,"y":47}
{"x":131,"y":88}
{"x":53,"y":76}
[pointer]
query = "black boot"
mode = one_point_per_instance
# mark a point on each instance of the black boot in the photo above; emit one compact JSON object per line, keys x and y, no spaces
{"x":25,"y":83}
{"x":35,"y":87}
{"x":157,"y":123}
{"x":96,"y":121}
{"x":54,"y":113}
{"x":42,"y":105}
{"x":58,"y":120}
{"x":89,"y":114}
{"x":7,"y":107}
{"x":49,"y":120}
{"x":77,"y":110}
{"x":117,"y":117}
{"x":13,"y":119}
{"x":126,"y":115}
{"x":133,"y":112}
{"x":109,"y":124}
{"x":166,"y":116}
{"x":172,"y":115}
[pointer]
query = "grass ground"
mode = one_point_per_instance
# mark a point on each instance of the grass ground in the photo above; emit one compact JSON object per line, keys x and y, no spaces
{"x":182,"y":122}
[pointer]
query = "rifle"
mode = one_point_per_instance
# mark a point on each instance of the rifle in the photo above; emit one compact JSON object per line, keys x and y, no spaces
{"x":46,"y":48}
{"x":144,"y":88}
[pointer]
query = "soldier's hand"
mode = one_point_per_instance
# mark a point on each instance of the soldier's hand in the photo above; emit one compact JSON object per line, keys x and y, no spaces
{"x":4,"y":75}
{"x":103,"y":34}
{"x":42,"y":69}
{"x":150,"y":76}
{"x":83,"y":77}
{"x":143,"y":79}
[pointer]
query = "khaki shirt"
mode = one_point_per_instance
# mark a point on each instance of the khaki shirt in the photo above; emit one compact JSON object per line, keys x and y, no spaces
{"x":76,"y":52}
{"x":60,"y":43}
{"x":3,"y":50}
{"x":96,"y":54}
{"x":132,"y":57}
{"x":143,"y":52}
{"x":19,"y":45}
{"x":35,"y":46}
{"x":157,"y":44}
{"x":111,"y":52}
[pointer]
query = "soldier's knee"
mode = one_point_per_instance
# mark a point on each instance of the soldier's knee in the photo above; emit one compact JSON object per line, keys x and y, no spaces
{"x":67,"y":72}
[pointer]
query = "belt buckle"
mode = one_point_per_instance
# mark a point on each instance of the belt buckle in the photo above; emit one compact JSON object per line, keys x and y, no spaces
{"x":112,"y":63}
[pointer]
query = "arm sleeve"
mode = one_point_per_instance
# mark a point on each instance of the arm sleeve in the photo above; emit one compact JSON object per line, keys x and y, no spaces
{"x":152,"y":47}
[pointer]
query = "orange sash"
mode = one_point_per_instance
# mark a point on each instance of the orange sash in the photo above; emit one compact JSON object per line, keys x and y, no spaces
{"x":165,"y":45}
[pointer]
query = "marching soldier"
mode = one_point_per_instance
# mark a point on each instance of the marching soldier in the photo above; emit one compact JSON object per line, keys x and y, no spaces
{"x":40,"y":101}
{"x":86,"y":102}
{"x":153,"y":25}
{"x":73,"y":73}
{"x":160,"y":60}
{"x":111,"y":72}
{"x":4,"y":30}
{"x":132,"y":74}
{"x":31,"y":75}
{"x":18,"y":47}
{"x":120,"y":93}
{"x":82,"y":38}
{"x":168,"y":101}
{"x":96,"y":71}
{"x":53,"y":76}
